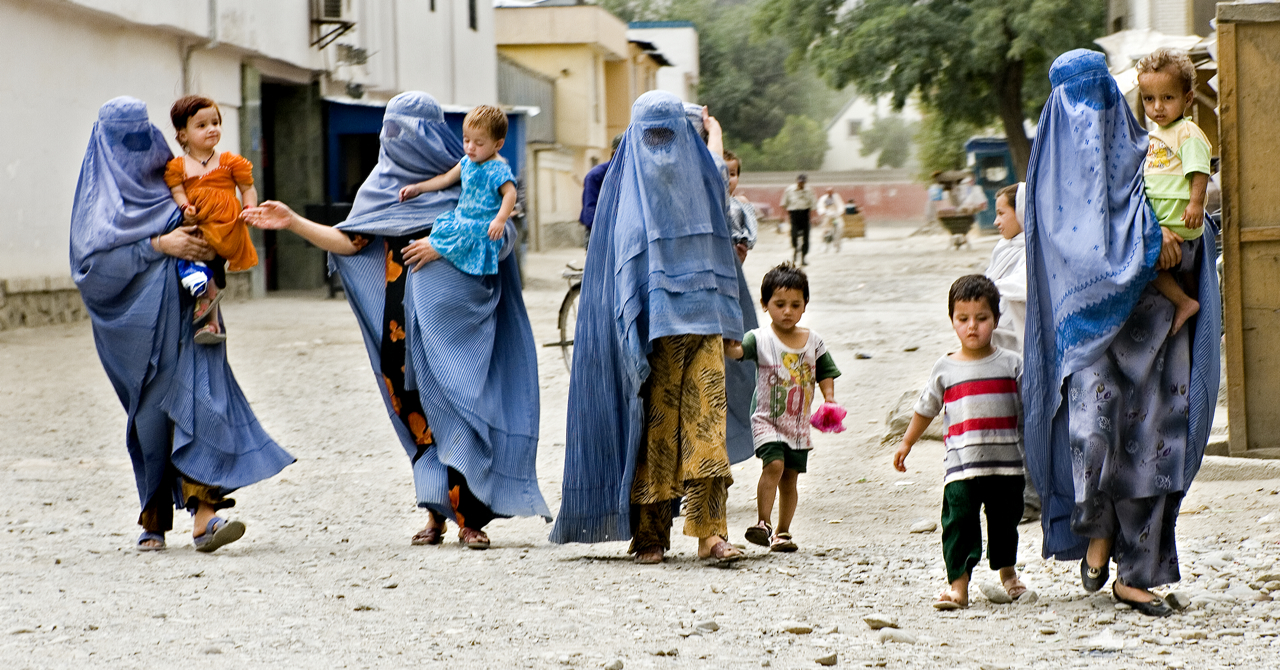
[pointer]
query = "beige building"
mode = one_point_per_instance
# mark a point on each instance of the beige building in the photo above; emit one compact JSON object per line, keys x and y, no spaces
{"x":283,"y":72}
{"x":598,"y":72}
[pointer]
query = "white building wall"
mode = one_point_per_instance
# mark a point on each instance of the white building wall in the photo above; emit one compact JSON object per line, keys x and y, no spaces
{"x":845,"y":152}
{"x":680,"y":46}
{"x":64,"y":58}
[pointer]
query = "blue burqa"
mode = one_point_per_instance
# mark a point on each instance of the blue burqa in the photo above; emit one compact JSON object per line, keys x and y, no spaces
{"x":184,"y":407}
{"x":470,"y":350}
{"x":1092,"y":244}
{"x":660,"y":263}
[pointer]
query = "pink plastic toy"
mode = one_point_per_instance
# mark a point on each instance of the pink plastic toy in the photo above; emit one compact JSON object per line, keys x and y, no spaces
{"x":829,"y":418}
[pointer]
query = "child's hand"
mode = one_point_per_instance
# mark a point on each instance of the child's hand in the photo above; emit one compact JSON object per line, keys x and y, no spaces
{"x":900,"y":457}
{"x":1193,"y":216}
{"x":496,"y":228}
{"x":189,"y":214}
{"x":408,"y":192}
{"x":733,"y":349}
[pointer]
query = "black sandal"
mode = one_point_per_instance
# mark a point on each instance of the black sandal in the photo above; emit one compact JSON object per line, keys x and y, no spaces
{"x":1093,"y":578}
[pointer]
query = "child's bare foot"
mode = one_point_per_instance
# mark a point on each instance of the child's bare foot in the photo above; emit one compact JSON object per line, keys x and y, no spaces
{"x":210,"y":334}
{"x":1181,"y":312}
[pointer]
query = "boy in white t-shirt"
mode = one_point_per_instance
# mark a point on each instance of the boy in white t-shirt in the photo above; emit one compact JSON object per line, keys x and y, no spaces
{"x":790,"y":361}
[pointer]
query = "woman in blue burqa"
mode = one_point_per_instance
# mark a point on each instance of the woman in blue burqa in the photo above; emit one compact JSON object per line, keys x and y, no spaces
{"x":647,"y":403}
{"x":452,"y":353}
{"x":1117,"y":410}
{"x":191,"y":434}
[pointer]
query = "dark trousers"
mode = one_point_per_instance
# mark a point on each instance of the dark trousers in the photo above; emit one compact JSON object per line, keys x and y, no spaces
{"x":962,"y":502}
{"x":800,"y":230}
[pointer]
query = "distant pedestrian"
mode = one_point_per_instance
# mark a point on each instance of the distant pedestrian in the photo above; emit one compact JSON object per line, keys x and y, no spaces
{"x":191,"y":434}
{"x":204,"y":184}
{"x":831,"y":209}
{"x":799,"y":201}
{"x":790,"y":361}
{"x":976,"y":389}
{"x":591,"y":191}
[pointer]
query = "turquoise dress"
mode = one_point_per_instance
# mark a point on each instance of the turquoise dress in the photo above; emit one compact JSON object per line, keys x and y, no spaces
{"x":462,"y":236}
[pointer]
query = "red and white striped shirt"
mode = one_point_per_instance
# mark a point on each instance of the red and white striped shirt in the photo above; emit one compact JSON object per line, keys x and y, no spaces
{"x":982,"y":414}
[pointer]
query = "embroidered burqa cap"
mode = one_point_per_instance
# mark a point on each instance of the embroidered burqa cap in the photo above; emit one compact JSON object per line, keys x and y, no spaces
{"x":416,"y":145}
{"x":121,"y":196}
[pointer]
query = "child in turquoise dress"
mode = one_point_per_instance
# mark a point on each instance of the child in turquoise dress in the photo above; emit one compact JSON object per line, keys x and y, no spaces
{"x":470,"y":236}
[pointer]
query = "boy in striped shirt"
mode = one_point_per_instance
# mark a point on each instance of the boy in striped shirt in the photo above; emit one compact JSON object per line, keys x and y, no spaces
{"x":976,"y":389}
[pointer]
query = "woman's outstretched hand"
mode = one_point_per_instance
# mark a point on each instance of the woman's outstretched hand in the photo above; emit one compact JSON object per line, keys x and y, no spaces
{"x":270,"y":215}
{"x":419,"y":253}
{"x":185,"y":243}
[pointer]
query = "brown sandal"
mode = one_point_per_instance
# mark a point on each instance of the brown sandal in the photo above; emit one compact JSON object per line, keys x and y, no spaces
{"x":723,"y":553}
{"x":429,"y":535}
{"x":474,"y":539}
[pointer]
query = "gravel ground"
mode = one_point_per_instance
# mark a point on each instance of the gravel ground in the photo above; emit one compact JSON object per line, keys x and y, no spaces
{"x":326,"y":577}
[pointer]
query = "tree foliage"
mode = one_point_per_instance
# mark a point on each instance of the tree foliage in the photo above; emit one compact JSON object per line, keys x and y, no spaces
{"x":801,"y":144}
{"x":966,"y":59}
{"x":891,"y":136}
{"x":940,"y":143}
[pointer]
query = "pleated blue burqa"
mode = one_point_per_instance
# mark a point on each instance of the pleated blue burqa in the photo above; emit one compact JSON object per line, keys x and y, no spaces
{"x":470,"y":353}
{"x":660,"y":263}
{"x":186,"y":413}
{"x":1093,"y":329}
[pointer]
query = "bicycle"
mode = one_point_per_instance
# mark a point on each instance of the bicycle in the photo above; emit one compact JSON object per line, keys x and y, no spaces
{"x":568,"y":318}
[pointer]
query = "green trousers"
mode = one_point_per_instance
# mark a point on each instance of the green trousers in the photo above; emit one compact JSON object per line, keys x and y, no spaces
{"x":962,"y":502}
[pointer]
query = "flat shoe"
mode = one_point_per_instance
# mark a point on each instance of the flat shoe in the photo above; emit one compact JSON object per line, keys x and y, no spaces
{"x":474,"y":539}
{"x":946,"y":603}
{"x":649,"y":556}
{"x":1156,"y":607}
{"x":218,"y":533}
{"x":1093,"y":578}
{"x":210,"y":334}
{"x":783,"y":543}
{"x":723,"y":553}
{"x":759,"y":533}
{"x":198,"y":317}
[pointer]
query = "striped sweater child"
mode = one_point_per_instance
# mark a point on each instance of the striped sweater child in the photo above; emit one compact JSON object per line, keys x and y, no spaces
{"x":982,"y":414}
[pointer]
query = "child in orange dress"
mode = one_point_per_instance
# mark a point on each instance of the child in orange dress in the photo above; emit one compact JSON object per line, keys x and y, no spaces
{"x":204,"y":185}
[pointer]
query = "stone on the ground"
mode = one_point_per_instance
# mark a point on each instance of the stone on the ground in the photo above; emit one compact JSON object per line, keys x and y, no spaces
{"x":829,"y":659}
{"x":878,"y":621}
{"x":1107,"y":640}
{"x":1245,"y":594}
{"x":1191,"y":634}
{"x":888,"y":635}
{"x":1029,"y":598}
{"x":924,"y":526}
{"x":615,"y":664}
{"x":708,"y":626}
{"x":795,"y":628}
{"x":995,"y":593}
{"x":1178,"y":600}
{"x":829,"y":630}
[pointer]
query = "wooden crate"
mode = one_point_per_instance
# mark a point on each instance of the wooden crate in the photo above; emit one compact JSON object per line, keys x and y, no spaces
{"x":1249,"y":135}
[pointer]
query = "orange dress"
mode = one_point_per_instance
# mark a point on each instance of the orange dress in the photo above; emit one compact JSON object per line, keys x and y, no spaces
{"x":217,"y":209}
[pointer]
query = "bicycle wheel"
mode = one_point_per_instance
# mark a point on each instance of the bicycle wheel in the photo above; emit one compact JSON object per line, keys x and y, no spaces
{"x":568,"y":321}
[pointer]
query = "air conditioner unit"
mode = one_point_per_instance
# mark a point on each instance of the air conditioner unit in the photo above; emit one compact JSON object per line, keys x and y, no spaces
{"x":329,"y":10}
{"x":329,"y":20}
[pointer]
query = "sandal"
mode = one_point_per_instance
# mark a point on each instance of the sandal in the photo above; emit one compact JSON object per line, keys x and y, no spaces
{"x":1014,"y":587}
{"x":1093,"y":578}
{"x":722,"y":553}
{"x":429,"y":535}
{"x":782,"y":542}
{"x":148,"y":536}
{"x":474,"y":539}
{"x":198,"y":316}
{"x":1156,"y":607}
{"x":218,"y":533}
{"x":947,"y":601}
{"x":210,"y":334}
{"x":649,"y":556}
{"x":760,"y":533}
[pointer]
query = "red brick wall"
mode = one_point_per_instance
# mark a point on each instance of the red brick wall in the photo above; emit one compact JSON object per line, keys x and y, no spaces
{"x":879,"y":201}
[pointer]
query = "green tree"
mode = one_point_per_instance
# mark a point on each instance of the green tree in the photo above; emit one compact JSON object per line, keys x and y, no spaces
{"x":940,"y":143}
{"x":967,"y":59}
{"x":801,"y":144}
{"x":890,"y":136}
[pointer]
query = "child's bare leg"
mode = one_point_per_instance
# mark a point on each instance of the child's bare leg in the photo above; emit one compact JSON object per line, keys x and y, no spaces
{"x":767,"y":489}
{"x":788,"y":498}
{"x":1184,"y":306}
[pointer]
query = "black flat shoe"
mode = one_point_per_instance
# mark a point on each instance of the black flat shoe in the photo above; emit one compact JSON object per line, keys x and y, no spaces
{"x":1156,"y":607}
{"x":1093,"y":578}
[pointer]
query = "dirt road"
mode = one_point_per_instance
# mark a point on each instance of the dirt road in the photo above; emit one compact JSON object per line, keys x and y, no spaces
{"x":326,"y":577}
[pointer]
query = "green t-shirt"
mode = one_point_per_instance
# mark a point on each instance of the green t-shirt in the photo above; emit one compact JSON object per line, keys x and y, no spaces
{"x":1175,"y":153}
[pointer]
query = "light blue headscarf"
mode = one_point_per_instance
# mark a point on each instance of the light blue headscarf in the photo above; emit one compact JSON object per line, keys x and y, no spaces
{"x":121,"y":196}
{"x":1092,"y":245}
{"x":416,"y":145}
{"x":660,"y":263}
